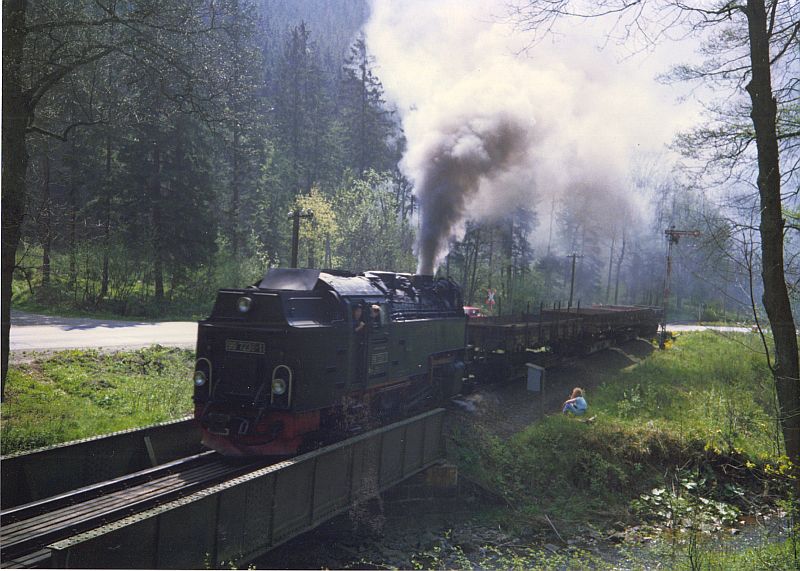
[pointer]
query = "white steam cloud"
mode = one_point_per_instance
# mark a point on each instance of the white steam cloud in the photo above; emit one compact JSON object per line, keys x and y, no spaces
{"x":489,"y":130}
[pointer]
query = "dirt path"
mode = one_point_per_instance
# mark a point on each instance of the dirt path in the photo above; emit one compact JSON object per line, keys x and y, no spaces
{"x":507,"y":408}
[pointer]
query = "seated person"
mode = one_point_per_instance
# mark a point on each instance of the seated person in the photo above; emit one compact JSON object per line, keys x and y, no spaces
{"x":576,"y":404}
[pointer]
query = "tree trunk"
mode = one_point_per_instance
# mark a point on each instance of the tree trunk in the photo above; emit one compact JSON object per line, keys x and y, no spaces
{"x":158,"y":263}
{"x":362,"y":153}
{"x":106,"y":222}
{"x":509,"y":287}
{"x":776,"y":297}
{"x":73,"y":219}
{"x":550,"y":231}
{"x":16,"y":114}
{"x":473,"y":282}
{"x":47,"y":220}
{"x":491,"y":255}
{"x":235,"y":192}
{"x":619,"y":268}
{"x":610,"y":266}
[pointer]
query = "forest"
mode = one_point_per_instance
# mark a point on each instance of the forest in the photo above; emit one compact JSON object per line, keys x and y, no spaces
{"x":155,"y":152}
{"x":166,"y":149}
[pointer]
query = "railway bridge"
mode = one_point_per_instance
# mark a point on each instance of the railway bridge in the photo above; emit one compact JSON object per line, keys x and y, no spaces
{"x":149,"y":499}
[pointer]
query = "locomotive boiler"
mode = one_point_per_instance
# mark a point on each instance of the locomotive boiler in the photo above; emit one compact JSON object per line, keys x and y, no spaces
{"x":305,"y":353}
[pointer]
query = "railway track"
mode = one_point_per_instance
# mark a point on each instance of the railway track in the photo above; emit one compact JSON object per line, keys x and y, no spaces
{"x":26,"y":530}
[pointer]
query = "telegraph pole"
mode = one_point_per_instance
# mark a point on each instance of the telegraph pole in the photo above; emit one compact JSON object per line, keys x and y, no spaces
{"x":672,"y":236}
{"x":573,"y":255}
{"x":295,"y":216}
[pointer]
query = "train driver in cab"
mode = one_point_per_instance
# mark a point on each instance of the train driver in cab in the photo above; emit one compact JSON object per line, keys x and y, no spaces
{"x":358,"y":319}
{"x":376,"y":315}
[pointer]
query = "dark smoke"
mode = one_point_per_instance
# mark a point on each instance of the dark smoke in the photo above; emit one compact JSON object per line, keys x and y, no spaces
{"x":493,"y":123}
{"x":464,"y":157}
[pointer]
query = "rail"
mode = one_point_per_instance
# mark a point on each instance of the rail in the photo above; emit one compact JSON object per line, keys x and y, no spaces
{"x":46,"y":472}
{"x":29,"y":528}
{"x":203,"y":510}
{"x":241,"y":518}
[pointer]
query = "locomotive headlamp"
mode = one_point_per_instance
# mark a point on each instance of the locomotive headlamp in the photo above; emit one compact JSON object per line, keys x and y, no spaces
{"x":244,"y":304}
{"x":278,"y":386}
{"x":199,"y":378}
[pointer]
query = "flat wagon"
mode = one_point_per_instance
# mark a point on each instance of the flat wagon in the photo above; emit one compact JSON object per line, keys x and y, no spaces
{"x":502,"y":345}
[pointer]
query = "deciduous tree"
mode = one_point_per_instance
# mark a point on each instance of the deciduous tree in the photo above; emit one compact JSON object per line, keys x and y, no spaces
{"x":753,"y":48}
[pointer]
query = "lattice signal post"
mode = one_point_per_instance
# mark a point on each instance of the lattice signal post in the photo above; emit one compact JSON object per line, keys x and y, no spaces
{"x":673,"y":236}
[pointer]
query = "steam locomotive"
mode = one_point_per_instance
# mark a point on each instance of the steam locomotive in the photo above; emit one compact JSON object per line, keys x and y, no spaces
{"x":309,"y":352}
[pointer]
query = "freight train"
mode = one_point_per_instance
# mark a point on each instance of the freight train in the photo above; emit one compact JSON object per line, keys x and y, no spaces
{"x":504,"y":345}
{"x":306,"y":354}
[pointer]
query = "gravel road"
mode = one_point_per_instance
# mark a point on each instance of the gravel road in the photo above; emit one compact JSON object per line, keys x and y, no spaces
{"x":31,"y":332}
{"x":42,"y":333}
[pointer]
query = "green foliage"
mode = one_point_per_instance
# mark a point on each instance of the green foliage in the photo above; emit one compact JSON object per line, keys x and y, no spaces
{"x":445,"y":555}
{"x":364,"y":108}
{"x":76,"y":394}
{"x":686,"y":507}
{"x":707,"y":386}
{"x":776,"y":556}
{"x":561,"y":466}
{"x":703,"y":404}
{"x":321,"y":236}
{"x":179,"y":182}
{"x":373,"y":233}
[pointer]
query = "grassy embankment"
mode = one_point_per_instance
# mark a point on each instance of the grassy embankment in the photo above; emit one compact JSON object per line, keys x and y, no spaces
{"x":684,"y":444}
{"x":76,"y":394}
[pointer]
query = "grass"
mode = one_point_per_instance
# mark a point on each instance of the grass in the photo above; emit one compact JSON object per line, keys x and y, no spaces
{"x":779,"y":555}
{"x":81,"y":393}
{"x":683,"y":443}
{"x":699,"y":408}
{"x":708,"y":387}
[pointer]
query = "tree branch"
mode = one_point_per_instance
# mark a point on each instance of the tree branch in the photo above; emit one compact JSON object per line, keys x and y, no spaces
{"x":35,"y":93}
{"x":63,"y":136}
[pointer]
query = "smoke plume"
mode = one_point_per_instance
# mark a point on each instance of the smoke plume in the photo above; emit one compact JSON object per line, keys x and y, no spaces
{"x":470,"y":152}
{"x":489,"y":129}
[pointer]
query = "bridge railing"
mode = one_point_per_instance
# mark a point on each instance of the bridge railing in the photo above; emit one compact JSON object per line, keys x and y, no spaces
{"x":238,"y":520}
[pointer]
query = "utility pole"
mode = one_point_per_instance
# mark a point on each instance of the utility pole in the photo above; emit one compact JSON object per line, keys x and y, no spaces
{"x":295,"y":216}
{"x":672,"y":238}
{"x":573,"y":255}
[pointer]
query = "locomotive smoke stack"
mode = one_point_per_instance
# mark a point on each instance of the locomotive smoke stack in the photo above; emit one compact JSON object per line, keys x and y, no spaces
{"x":422,"y":280}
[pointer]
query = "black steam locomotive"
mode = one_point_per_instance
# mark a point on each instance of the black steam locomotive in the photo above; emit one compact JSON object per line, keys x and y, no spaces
{"x":306,"y":352}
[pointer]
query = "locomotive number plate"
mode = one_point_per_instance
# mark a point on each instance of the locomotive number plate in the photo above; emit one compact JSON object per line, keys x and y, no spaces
{"x":237,"y":346}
